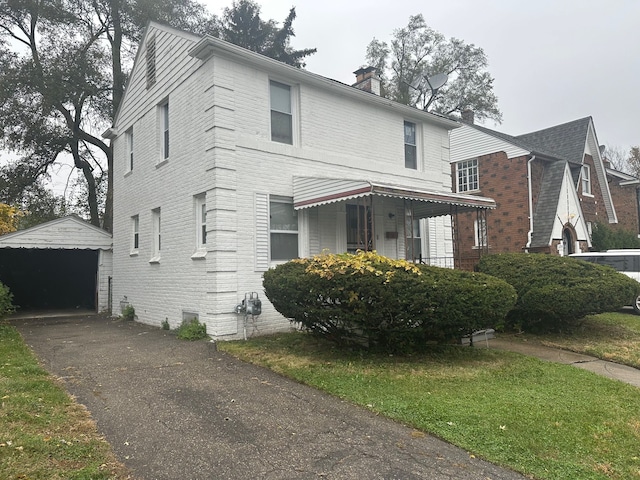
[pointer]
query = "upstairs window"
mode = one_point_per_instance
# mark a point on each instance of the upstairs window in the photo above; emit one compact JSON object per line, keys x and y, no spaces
{"x":129,"y":137}
{"x":410,"y":148}
{"x":283,"y":227}
{"x":467,"y":172}
{"x":586,"y":179}
{"x":281,"y":113}
{"x":164,"y":114}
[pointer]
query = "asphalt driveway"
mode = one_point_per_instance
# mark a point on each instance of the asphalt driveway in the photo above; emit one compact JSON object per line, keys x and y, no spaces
{"x":181,"y":410}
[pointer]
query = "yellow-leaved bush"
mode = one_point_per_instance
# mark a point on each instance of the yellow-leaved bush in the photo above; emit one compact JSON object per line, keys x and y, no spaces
{"x":393,"y":305}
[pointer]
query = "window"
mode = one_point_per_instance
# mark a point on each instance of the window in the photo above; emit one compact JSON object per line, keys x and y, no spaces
{"x":467,"y":171}
{"x":586,"y":179}
{"x":135,"y":233}
{"x":281,"y":113}
{"x":164,"y":109}
{"x":480,"y":232}
{"x":129,"y":137}
{"x":201,"y":220}
{"x":151,"y":61}
{"x":410,"y":149}
{"x":415,"y":243}
{"x":157,"y":235}
{"x":283,"y":228}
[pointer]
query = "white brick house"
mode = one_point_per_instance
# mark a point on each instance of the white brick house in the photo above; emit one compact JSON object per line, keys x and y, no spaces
{"x":228,"y":162}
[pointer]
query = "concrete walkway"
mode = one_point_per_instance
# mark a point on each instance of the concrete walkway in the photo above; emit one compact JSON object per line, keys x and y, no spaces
{"x":601,"y":367}
{"x":181,"y":410}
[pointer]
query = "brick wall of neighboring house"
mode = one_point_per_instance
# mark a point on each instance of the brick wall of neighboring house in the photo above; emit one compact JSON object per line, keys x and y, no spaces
{"x":504,"y":180}
{"x":625,"y":200}
{"x":592,"y":206}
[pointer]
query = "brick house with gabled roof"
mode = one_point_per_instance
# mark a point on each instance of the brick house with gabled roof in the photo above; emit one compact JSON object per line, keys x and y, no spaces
{"x":550,"y":187}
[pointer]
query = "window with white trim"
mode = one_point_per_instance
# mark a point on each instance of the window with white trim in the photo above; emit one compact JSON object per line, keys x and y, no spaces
{"x":467,"y":174}
{"x":283,"y":229}
{"x":201,"y":220}
{"x":281,"y":112}
{"x":135,"y":233}
{"x":480,"y":232}
{"x":129,"y":156}
{"x":157,"y":234}
{"x":164,"y":128}
{"x":586,"y":179}
{"x":416,"y":248}
{"x":410,"y":147}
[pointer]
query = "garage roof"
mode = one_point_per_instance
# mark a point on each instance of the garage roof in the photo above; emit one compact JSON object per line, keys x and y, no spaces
{"x":69,"y":232}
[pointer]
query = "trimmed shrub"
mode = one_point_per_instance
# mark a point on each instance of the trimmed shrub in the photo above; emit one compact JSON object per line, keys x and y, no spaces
{"x":393,"y":305}
{"x":191,"y":329}
{"x":6,"y":298}
{"x":555,"y":292}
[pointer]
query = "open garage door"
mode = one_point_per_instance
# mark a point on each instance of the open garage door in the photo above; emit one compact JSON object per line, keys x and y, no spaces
{"x":50,"y":278}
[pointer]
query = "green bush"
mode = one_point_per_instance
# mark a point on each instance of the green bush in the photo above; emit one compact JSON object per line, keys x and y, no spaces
{"x":191,"y":329}
{"x":555,"y":292}
{"x":6,"y":298}
{"x":392,"y":305}
{"x":606,"y":238}
{"x":129,"y":313}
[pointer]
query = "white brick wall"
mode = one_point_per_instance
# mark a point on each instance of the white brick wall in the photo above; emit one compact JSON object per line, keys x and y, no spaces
{"x":220,"y":144}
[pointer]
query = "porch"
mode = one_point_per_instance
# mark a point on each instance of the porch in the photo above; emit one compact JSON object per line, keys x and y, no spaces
{"x":398,"y":221}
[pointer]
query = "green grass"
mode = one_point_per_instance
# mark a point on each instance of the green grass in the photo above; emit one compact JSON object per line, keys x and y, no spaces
{"x":543,"y":419}
{"x":610,"y":336}
{"x":44,"y":434}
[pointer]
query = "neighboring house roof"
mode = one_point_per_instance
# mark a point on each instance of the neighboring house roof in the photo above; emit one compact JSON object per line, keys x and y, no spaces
{"x":69,"y":232}
{"x":547,"y":207}
{"x":561,"y":145}
{"x":625,"y":178}
{"x":566,"y":141}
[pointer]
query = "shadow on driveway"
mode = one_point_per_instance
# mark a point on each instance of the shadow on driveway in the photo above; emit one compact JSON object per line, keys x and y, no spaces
{"x":181,"y":410}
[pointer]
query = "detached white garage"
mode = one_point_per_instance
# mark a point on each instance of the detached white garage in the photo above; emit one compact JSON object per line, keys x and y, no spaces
{"x":62,"y":264}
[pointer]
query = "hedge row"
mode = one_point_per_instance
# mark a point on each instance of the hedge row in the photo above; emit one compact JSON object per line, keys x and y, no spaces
{"x":555,"y":292}
{"x":393,"y":305}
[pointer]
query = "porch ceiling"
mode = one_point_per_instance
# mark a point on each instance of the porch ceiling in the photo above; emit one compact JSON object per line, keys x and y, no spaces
{"x":312,"y":192}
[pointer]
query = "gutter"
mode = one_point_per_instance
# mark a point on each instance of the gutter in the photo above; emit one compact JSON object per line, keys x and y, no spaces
{"x":530,"y":188}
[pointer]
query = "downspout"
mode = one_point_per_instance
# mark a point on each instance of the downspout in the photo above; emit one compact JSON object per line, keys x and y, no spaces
{"x":530,"y":187}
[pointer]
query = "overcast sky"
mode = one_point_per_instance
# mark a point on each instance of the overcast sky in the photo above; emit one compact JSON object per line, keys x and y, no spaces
{"x":553,"y":60}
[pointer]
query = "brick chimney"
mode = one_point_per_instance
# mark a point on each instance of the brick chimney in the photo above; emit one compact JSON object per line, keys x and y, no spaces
{"x":367,"y":80}
{"x":468,"y":116}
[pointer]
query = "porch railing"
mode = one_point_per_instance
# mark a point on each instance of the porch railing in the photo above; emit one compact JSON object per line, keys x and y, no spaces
{"x":443,"y":262}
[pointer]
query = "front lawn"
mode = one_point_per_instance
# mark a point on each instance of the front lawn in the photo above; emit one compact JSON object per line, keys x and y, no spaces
{"x":611,"y":336}
{"x":543,"y":419}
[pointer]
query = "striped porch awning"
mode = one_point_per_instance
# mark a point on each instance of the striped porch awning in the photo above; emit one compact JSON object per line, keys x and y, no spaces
{"x":313,"y":191}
